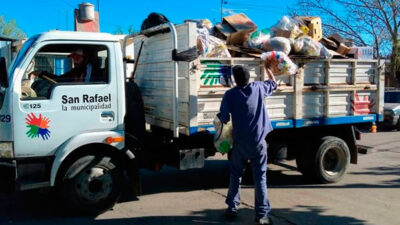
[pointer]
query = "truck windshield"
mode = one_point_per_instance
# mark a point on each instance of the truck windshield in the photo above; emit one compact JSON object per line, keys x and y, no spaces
{"x":16,"y":62}
{"x":21,"y":54}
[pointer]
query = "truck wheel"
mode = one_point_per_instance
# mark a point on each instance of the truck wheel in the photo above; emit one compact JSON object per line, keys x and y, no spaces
{"x":92,"y":184}
{"x":332,"y":159}
{"x":398,"y":125}
{"x":327,"y":162}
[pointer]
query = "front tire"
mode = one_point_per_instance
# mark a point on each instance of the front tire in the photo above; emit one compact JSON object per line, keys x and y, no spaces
{"x":91,"y":184}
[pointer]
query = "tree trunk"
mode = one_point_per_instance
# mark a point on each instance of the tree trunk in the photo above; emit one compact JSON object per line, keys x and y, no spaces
{"x":394,"y":62}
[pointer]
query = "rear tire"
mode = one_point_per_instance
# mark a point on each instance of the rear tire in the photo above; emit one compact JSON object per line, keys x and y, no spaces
{"x":333,"y":159}
{"x":398,"y":125}
{"x":327,"y":162}
{"x":91,"y":184}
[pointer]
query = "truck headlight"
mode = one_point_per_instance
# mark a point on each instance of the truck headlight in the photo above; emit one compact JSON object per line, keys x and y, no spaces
{"x":6,"y":150}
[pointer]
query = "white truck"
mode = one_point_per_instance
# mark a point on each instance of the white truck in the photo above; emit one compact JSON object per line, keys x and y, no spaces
{"x":83,"y":137}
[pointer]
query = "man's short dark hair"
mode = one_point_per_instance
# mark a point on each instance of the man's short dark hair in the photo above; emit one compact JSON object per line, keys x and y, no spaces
{"x":241,"y":75}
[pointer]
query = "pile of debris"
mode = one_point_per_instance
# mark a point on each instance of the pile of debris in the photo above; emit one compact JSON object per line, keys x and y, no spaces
{"x":297,"y":37}
{"x":290,"y":37}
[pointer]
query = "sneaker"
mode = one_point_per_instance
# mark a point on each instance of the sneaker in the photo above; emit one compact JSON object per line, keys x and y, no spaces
{"x":231,"y":214}
{"x":264,"y":220}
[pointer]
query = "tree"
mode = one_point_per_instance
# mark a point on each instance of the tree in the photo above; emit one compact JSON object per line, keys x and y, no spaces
{"x":130,"y":30}
{"x":368,"y":22}
{"x":10,"y":29}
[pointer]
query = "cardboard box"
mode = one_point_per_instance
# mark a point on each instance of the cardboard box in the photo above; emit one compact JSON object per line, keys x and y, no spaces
{"x":362,"y":52}
{"x":223,"y":30}
{"x":314,"y":24}
{"x":239,"y":22}
{"x":286,"y":34}
{"x":328,"y":43}
{"x":343,"y":49}
{"x":238,"y":38}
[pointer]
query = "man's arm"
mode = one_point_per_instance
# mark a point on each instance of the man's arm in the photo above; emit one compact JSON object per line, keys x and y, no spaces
{"x":224,"y":110}
{"x":39,"y":73}
{"x":66,"y":77}
{"x":270,"y":75}
{"x":269,"y":84}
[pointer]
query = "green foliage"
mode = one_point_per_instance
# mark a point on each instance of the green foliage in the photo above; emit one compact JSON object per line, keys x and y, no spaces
{"x":10,"y":29}
{"x":120,"y":30}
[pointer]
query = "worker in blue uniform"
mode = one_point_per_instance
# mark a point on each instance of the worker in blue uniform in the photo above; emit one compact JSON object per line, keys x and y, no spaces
{"x":245,"y":105}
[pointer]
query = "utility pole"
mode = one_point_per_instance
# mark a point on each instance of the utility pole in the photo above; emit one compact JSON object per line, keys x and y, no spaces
{"x":66,"y":19}
{"x":98,"y":6}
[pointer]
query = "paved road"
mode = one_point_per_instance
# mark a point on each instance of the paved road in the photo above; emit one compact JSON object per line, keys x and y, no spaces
{"x":369,"y":194}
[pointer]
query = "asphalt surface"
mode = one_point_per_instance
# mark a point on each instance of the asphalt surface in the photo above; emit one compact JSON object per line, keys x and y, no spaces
{"x":369,"y":194}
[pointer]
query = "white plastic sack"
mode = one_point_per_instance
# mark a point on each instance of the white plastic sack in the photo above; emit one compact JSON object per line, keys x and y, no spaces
{"x":279,"y":44}
{"x":279,"y":63}
{"x":211,"y":46}
{"x":223,"y":136}
{"x":307,"y":46}
{"x":325,"y":52}
{"x":287,"y":24}
{"x":258,"y":38}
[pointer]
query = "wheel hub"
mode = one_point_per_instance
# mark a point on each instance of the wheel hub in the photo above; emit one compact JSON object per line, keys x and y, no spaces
{"x":333,"y":161}
{"x":94,"y":184}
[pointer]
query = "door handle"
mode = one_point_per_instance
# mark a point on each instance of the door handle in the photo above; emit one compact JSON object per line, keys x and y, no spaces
{"x":107,"y":115}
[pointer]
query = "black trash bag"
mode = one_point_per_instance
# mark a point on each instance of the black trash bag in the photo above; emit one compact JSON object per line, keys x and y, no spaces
{"x":153,"y":20}
{"x":187,"y":55}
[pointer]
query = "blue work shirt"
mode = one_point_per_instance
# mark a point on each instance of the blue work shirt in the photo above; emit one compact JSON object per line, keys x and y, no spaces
{"x":250,"y":120}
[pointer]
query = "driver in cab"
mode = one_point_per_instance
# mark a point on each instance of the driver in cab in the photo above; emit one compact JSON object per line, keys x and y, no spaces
{"x":82,"y":71}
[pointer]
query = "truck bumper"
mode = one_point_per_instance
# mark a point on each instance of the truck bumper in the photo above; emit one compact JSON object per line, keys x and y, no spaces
{"x":8,"y":175}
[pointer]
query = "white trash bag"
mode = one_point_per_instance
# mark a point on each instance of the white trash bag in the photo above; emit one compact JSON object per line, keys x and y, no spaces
{"x":223,"y":136}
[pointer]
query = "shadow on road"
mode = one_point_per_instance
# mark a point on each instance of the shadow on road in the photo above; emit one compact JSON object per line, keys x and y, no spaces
{"x":40,"y":207}
{"x":36,"y":208}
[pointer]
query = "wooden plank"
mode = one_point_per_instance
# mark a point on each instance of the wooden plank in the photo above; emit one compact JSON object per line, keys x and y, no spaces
{"x":380,"y":81}
{"x":328,"y":83}
{"x":326,"y":104}
{"x":343,"y":87}
{"x":298,"y":94}
{"x":354,"y":73}
{"x":327,"y":72}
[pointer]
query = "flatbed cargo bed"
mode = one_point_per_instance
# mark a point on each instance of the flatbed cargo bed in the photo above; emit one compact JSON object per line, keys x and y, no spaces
{"x":323,"y":92}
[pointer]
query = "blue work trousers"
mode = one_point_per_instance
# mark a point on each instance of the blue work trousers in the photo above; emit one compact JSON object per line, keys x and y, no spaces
{"x":257,"y":155}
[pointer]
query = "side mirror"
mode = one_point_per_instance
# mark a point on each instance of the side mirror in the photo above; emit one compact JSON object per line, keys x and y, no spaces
{"x":3,"y":73}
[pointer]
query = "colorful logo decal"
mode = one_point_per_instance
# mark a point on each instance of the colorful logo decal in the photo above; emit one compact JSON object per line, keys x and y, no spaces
{"x":216,"y":74}
{"x":38,"y":126}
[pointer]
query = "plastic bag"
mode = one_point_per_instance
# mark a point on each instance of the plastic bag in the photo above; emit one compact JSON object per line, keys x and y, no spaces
{"x":279,"y":44}
{"x":211,"y":46}
{"x":279,"y":63}
{"x":223,"y":136}
{"x":201,"y":23}
{"x":325,"y":52}
{"x":287,"y":27}
{"x":258,"y":38}
{"x":307,"y":46}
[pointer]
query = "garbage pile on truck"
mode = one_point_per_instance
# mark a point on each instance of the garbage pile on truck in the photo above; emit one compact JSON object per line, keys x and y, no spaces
{"x":290,"y":37}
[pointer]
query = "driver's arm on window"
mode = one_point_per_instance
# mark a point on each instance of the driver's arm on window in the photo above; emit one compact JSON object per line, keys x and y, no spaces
{"x":66,"y":77}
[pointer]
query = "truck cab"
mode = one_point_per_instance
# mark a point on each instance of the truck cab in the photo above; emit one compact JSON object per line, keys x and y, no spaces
{"x":47,"y":125}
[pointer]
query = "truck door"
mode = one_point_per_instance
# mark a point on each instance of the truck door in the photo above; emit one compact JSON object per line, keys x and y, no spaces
{"x":65,"y":99}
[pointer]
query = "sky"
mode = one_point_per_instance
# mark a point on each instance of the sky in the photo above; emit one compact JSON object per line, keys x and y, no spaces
{"x":36,"y":16}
